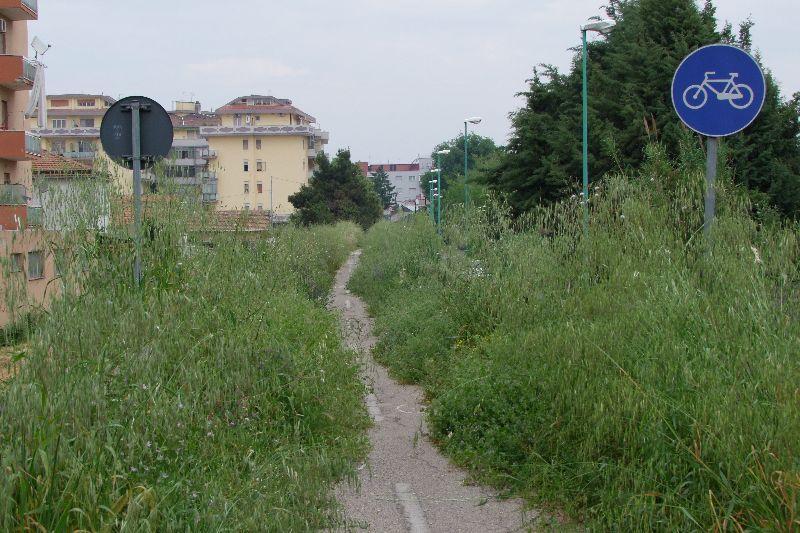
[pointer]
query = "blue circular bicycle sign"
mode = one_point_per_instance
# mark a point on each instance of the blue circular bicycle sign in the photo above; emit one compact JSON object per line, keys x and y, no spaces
{"x":718,"y":90}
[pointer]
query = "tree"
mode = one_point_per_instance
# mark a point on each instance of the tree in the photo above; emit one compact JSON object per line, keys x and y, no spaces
{"x":452,"y":164}
{"x":630,"y":73}
{"x":338,"y":190}
{"x":383,"y":188}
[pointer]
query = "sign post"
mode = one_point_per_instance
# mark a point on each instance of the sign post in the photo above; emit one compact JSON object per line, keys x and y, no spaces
{"x":717,"y":91}
{"x":135,"y":132}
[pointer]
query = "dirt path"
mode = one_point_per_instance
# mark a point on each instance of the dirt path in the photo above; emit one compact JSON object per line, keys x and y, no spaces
{"x":406,"y":484}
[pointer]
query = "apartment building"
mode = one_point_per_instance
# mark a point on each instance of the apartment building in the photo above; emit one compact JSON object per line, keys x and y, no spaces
{"x":73,"y":131}
{"x":405,"y":178}
{"x":188,"y":164}
{"x":26,"y":265}
{"x":265,"y":150}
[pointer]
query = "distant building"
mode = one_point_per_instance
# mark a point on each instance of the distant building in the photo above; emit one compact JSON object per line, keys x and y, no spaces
{"x":265,"y":151}
{"x":405,"y":178}
{"x":191,"y":157}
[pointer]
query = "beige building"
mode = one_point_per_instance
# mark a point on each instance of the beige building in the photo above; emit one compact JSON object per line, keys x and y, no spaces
{"x":26,"y":264}
{"x":265,"y":149}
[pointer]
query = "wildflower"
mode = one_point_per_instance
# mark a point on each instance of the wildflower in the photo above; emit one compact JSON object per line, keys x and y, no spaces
{"x":210,"y":434}
{"x":636,"y":274}
{"x":622,"y":217}
{"x":757,"y":255}
{"x":144,"y":386}
{"x":134,"y":469}
{"x":149,"y":444}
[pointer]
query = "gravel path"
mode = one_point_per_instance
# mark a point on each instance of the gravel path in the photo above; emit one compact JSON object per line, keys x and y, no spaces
{"x":406,"y":484}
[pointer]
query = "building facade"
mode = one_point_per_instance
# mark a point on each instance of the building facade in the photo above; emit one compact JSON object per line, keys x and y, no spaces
{"x":73,"y":131}
{"x":190,"y":161}
{"x":405,"y":178}
{"x":26,"y":264}
{"x":265,"y":151}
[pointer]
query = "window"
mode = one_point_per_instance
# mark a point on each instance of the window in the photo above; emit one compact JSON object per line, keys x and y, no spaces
{"x":59,"y":123}
{"x":17,"y":263}
{"x":58,"y":147}
{"x":247,"y":187}
{"x":35,"y":265}
{"x":59,"y":103}
{"x":392,"y":168}
{"x":237,"y":120}
{"x":246,"y":165}
{"x":258,"y":144}
{"x":260,"y":207}
{"x":260,"y":188}
{"x":259,"y":166}
{"x":412,"y":178}
{"x":87,"y":123}
{"x":7,"y":178}
{"x":245,"y":144}
{"x":247,"y":207}
{"x":86,"y":103}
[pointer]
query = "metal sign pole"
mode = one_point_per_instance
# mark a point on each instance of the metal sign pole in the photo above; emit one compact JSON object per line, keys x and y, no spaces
{"x":711,"y":191}
{"x":137,"y":191}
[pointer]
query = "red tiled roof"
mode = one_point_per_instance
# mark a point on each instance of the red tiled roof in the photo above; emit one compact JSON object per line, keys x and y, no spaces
{"x":50,"y":163}
{"x":194,"y":120}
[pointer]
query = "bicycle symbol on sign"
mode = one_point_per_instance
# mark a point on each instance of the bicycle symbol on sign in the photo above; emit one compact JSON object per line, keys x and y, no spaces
{"x":739,"y":95}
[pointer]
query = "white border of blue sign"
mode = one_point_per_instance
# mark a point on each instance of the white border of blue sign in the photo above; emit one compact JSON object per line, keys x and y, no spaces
{"x":672,"y":88}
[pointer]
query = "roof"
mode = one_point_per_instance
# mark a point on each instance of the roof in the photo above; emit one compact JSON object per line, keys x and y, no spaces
{"x":194,"y":120}
{"x":50,"y":163}
{"x":394,"y":167}
{"x":272,"y":106}
{"x":224,"y":221}
{"x":103,"y":97}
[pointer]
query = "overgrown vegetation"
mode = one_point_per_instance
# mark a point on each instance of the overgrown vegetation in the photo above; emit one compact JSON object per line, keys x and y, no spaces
{"x":217,"y":397}
{"x":642,"y":379}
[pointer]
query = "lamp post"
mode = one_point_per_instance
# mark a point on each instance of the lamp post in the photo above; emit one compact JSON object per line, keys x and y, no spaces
{"x":439,"y":189}
{"x":602,"y":27}
{"x":430,"y":199}
{"x":476,"y":121}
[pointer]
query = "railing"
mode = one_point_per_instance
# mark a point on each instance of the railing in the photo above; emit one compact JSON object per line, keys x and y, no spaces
{"x":13,"y":194}
{"x":28,"y":69}
{"x":33,"y":144}
{"x":80,"y":155}
{"x":33,"y":5}
{"x":35,"y":217}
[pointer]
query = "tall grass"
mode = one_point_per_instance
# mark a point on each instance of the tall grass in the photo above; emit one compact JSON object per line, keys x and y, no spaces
{"x":642,"y":379}
{"x":215,"y":397}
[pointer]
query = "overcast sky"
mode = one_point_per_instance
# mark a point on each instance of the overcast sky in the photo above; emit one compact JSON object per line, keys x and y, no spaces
{"x":388,"y":78}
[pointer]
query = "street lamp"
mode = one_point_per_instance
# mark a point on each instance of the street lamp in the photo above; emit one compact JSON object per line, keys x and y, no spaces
{"x":439,"y":189}
{"x":475,"y":121}
{"x":603,"y":27}
{"x":431,"y":183}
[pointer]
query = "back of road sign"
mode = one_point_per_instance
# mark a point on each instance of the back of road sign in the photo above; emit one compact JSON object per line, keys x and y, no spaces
{"x":116,"y":131}
{"x":718,"y":90}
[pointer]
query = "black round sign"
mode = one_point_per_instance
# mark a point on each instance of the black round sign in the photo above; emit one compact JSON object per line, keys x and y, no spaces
{"x":116,"y":131}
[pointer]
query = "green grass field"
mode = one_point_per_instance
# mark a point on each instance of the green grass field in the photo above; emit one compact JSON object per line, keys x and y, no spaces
{"x":641,"y":380}
{"x":216,"y":398}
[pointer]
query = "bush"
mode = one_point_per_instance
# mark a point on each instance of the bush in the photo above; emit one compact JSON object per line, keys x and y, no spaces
{"x":216,"y":397}
{"x":640,"y":379}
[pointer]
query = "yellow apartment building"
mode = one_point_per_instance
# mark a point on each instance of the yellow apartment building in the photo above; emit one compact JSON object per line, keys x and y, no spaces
{"x":265,"y":149}
{"x":73,"y":130}
{"x":26,"y":265}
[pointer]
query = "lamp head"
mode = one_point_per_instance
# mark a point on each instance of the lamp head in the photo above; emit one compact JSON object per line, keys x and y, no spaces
{"x":443,"y":152}
{"x":474,"y":120}
{"x":603,"y":26}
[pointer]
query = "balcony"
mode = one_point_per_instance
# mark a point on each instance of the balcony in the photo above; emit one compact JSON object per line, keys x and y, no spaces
{"x":19,"y":9}
{"x":84,"y":156}
{"x":16,"y":73}
{"x":19,"y":145}
{"x":312,"y":153}
{"x":88,"y":133}
{"x":233,"y":131}
{"x":35,"y":217}
{"x":13,"y":195}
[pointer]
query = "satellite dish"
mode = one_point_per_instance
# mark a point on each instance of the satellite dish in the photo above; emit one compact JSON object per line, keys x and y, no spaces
{"x":39,"y":47}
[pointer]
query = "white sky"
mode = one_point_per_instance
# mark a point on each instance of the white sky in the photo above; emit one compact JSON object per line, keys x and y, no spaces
{"x":388,"y":78}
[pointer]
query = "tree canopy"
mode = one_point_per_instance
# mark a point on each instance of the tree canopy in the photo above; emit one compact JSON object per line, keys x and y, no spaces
{"x":480,"y":149}
{"x":383,"y":188}
{"x":630,"y":73}
{"x":338,"y":190}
